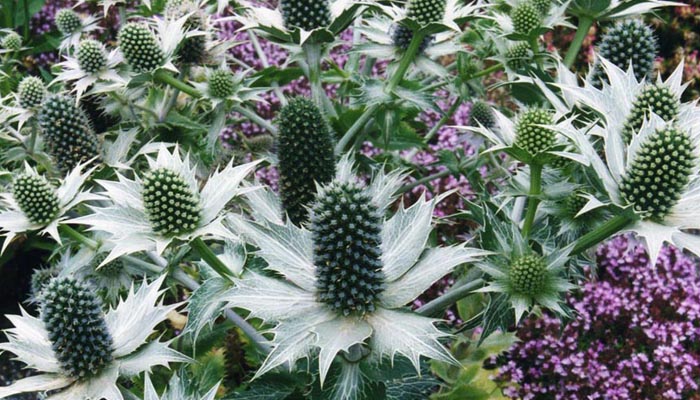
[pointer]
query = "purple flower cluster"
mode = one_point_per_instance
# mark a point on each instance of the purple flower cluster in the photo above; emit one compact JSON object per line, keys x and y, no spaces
{"x":636,"y":334}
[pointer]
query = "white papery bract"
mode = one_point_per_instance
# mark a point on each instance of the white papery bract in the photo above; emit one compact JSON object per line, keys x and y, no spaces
{"x":616,"y":9}
{"x":129,"y":324}
{"x":70,"y":193}
{"x":126,"y":220}
{"x":306,"y":325}
{"x":70,"y":40}
{"x":178,"y":389}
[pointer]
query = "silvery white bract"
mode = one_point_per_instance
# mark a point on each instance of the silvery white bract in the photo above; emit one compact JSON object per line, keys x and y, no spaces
{"x":178,"y":389}
{"x":126,"y":220}
{"x":555,"y":17}
{"x":305,"y":326}
{"x":88,"y":24}
{"x":70,"y":193}
{"x":130,"y":324}
{"x":616,"y":9}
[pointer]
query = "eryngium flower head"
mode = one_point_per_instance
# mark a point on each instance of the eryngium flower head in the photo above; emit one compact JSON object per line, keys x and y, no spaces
{"x":660,"y":172}
{"x":41,"y":277}
{"x":140,"y":47}
{"x":402,"y":36}
{"x":518,"y":55}
{"x":36,"y":198}
{"x":543,"y":6}
{"x":528,"y":274}
{"x":91,"y":56}
{"x":346,"y":230}
{"x":68,"y":132}
{"x":481,"y":113}
{"x":426,"y":11}
{"x":305,"y":14}
{"x":532,"y":137}
{"x":12,"y":41}
{"x":68,"y":21}
{"x":222,"y":84}
{"x":526,"y":18}
{"x":73,"y":318}
{"x":31,"y":91}
{"x":171,"y":206}
{"x":628,"y":42}
{"x":305,"y":153}
{"x":657,"y":99}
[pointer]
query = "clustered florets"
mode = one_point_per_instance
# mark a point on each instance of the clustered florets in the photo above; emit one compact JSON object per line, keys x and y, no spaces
{"x":222,"y":84}
{"x":171,"y":205}
{"x":91,"y":55}
{"x":529,"y":132}
{"x":528,"y":274}
{"x":306,"y":14}
{"x":657,"y":99}
{"x":629,"y":42}
{"x":482,"y":113}
{"x":31,"y":92}
{"x":526,"y":17}
{"x":346,"y":230}
{"x":140,"y":47}
{"x":68,"y":21}
{"x":36,"y":198}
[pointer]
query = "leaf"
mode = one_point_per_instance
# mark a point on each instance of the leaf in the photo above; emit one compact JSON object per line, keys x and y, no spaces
{"x":498,"y":316}
{"x":204,"y":305}
{"x":413,"y":387}
{"x":273,"y":386}
{"x":176,"y":119}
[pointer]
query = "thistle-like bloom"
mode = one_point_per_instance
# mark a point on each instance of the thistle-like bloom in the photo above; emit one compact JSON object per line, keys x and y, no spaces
{"x":11,"y":41}
{"x":72,"y":26}
{"x":630,"y":42}
{"x":348,"y":277}
{"x":527,"y":19}
{"x":23,"y":105}
{"x":34,"y":204}
{"x":298,"y":21}
{"x":164,"y":204}
{"x":222,"y":85}
{"x":80,"y":351}
{"x":389,"y":36}
{"x":152,"y":44}
{"x":91,"y":65}
{"x":524,"y":276}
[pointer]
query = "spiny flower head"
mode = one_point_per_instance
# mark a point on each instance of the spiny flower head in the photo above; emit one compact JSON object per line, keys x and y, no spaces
{"x":657,"y":99}
{"x":346,"y":230}
{"x":659,"y":173}
{"x":528,"y":274}
{"x":426,"y":11}
{"x":305,"y":14}
{"x":77,"y":330}
{"x":171,"y":205}
{"x":628,"y":42}
{"x":481,"y":113}
{"x":91,"y":56}
{"x":41,"y":277}
{"x":36,"y":198}
{"x":305,"y":153}
{"x":193,"y":49}
{"x":402,"y":36}
{"x":68,"y":21}
{"x":31,"y":91}
{"x":140,"y":47}
{"x":531,"y":137}
{"x":222,"y":83}
{"x":12,"y":41}
{"x":574,"y":203}
{"x":518,"y":55}
{"x":526,"y":17}
{"x":543,"y":6}
{"x":111,"y":269}
{"x":68,"y":132}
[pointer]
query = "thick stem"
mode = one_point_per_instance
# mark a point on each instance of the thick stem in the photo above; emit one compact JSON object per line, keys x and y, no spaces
{"x":251,"y":115}
{"x":143,"y":265}
{"x":584,"y":25}
{"x":437,"y":175}
{"x":210,"y":258}
{"x":487,"y":71}
{"x":356,"y":126}
{"x":406,"y":60}
{"x":166,"y":77}
{"x":441,"y":303}
{"x":77,"y":236}
{"x":31,"y":143}
{"x":603,"y":232}
{"x":533,"y":201}
{"x":312,"y":52}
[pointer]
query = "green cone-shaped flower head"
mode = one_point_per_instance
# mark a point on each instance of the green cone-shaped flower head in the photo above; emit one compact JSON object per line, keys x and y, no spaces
{"x":68,"y":132}
{"x":426,"y":11}
{"x":77,"y":330}
{"x":171,"y":204}
{"x":574,"y":203}
{"x":543,"y":6}
{"x":532,"y":137}
{"x":41,"y":277}
{"x":305,"y":153}
{"x":528,"y":275}
{"x":91,"y":55}
{"x":659,"y":173}
{"x":526,"y":17}
{"x":482,"y":113}
{"x":657,"y":99}
{"x":12,"y":41}
{"x":31,"y":91}
{"x":112,"y":269}
{"x":140,"y":47}
{"x":193,"y":49}
{"x":306,"y":14}
{"x":36,"y":198}
{"x":346,"y":230}
{"x":402,"y":37}
{"x":518,"y":55}
{"x":628,"y":42}
{"x":222,"y":84}
{"x":68,"y":21}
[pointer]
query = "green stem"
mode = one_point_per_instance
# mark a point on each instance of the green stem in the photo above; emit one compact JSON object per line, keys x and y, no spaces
{"x":143,"y":265}
{"x":251,"y":115}
{"x":533,"y":201}
{"x":487,"y":71}
{"x":210,"y":258}
{"x":312,"y":52}
{"x":166,"y":77}
{"x":534,"y":44}
{"x":584,"y":25}
{"x":441,"y":303}
{"x":406,"y":60}
{"x":31,"y":143}
{"x":77,"y":236}
{"x":608,"y":229}
{"x":437,"y":175}
{"x":356,"y":126}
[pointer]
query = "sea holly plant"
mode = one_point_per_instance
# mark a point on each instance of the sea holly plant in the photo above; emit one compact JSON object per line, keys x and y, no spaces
{"x":345,"y":200}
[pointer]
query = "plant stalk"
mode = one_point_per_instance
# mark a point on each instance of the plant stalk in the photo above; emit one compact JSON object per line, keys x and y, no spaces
{"x":312,"y":52}
{"x":441,"y":303}
{"x":77,"y":236}
{"x":210,"y":258}
{"x":356,"y":126}
{"x":584,"y":25}
{"x":166,"y":77}
{"x":406,"y":60}
{"x":608,"y":229}
{"x":251,"y":115}
{"x":533,"y":201}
